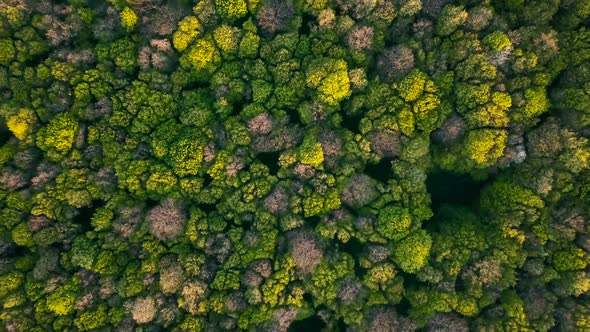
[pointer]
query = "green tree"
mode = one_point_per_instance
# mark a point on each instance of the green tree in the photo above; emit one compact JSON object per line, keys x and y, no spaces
{"x":57,"y":138}
{"x":8,"y":51}
{"x":231,"y":9}
{"x":412,"y":253}
{"x":394,"y":222}
{"x":330,"y":78}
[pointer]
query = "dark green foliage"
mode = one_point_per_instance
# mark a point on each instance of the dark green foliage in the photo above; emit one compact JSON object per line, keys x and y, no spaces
{"x":287,"y":165}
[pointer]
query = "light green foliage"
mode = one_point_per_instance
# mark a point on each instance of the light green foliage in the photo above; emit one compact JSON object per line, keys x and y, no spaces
{"x":460,"y":235}
{"x":142,"y":108}
{"x":122,"y":52}
{"x":494,"y":114}
{"x":570,"y":259}
{"x":227,"y":38}
{"x":91,"y":320}
{"x":57,"y":138}
{"x":394,"y":222}
{"x":22,"y":124}
{"x":496,"y":41}
{"x":102,"y":219}
{"x":535,"y":104}
{"x":412,"y":252}
{"x":203,"y":56}
{"x":83,"y":253}
{"x":261,"y":165}
{"x":470,"y":96}
{"x":249,"y":45}
{"x":316,"y":204}
{"x":324,"y":278}
{"x":231,"y":9}
{"x":476,"y":68}
{"x":273,"y":289}
{"x":185,"y":156}
{"x":10,"y":282}
{"x":310,"y":152}
{"x":515,"y":311}
{"x":510,"y":205}
{"x":7,"y":51}
{"x":74,"y":187}
{"x":412,"y":86}
{"x":450,"y":18}
{"x":61,"y":301}
{"x":226,"y":279}
{"x":427,"y":112}
{"x":330,"y":78}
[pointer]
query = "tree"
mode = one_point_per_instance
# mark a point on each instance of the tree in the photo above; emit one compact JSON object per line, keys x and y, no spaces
{"x":386,"y":319}
{"x":310,"y":152}
{"x":394,"y":222}
{"x":166,"y":220}
{"x":188,"y":30}
{"x":186,"y":156}
{"x":274,"y":15}
{"x":231,"y":9}
{"x":57,"y":138}
{"x":485,"y":146}
{"x":412,"y":252}
{"x":144,"y":310}
{"x":451,"y":131}
{"x":449,"y":19}
{"x":61,"y":301}
{"x":412,"y":86}
{"x":385,"y":143}
{"x":306,"y":250}
{"x":330,"y":79}
{"x":360,"y":38}
{"x":128,"y":18}
{"x":396,"y":62}
{"x":8,"y":51}
{"x":203,"y":57}
{"x":359,"y":191}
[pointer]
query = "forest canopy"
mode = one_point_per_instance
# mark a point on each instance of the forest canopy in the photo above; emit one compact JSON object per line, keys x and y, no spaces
{"x":294,"y":165}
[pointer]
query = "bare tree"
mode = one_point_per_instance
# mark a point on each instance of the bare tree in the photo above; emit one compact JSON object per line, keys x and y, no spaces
{"x":274,"y":15}
{"x":395,"y":63}
{"x":305,"y":250}
{"x":360,"y":38}
{"x":451,"y":131}
{"x":166,"y":221}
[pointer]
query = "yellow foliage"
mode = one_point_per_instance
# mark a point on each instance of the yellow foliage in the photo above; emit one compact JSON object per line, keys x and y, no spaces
{"x":14,"y":15}
{"x":227,"y":38}
{"x":315,"y":6}
{"x":188,"y":30}
{"x":405,"y":121}
{"x":311,"y":153}
{"x":488,"y":116}
{"x":57,"y":138}
{"x":203,"y":55}
{"x":502,"y":99}
{"x":128,"y":18}
{"x":287,"y":158}
{"x":231,"y":9}
{"x":334,"y":88}
{"x":330,"y":77}
{"x":486,"y":145}
{"x":21,"y":124}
